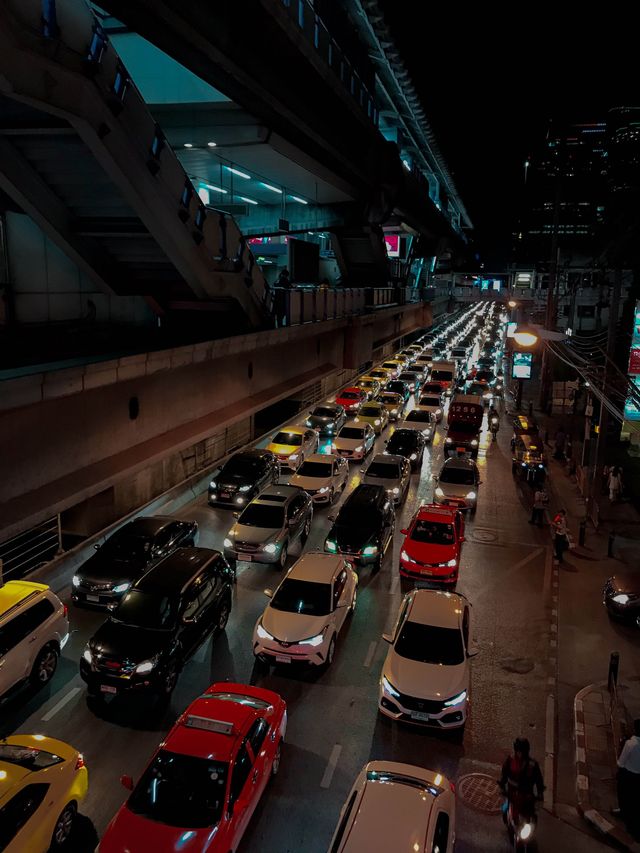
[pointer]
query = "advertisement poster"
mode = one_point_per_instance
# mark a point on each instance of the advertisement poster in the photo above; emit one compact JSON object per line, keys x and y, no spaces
{"x":522,"y":362}
{"x":631,"y":406}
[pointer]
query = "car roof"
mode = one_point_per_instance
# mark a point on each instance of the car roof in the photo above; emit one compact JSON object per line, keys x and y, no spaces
{"x":15,"y":592}
{"x":296,"y":429}
{"x":274,"y":494}
{"x":459,"y":462}
{"x":436,"y":512}
{"x":350,"y":388}
{"x":335,"y":406}
{"x":149,"y":525}
{"x":436,"y":607}
{"x":367,"y":495}
{"x":177,"y":570}
{"x":251,"y":453}
{"x":374,"y":403}
{"x":321,"y":457}
{"x":388,"y":457}
{"x":316,"y":566}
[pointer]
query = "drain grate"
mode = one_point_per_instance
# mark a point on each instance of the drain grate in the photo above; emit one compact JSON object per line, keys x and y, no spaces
{"x":480,"y":792}
{"x":483,"y":534}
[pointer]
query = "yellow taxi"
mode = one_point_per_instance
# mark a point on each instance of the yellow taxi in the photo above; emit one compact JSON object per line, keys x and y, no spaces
{"x":371,"y":385}
{"x":293,"y":444}
{"x":382,"y":374}
{"x":374,"y":414}
{"x":42,"y":781}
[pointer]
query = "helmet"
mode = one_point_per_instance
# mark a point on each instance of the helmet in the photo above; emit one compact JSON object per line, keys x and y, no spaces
{"x":521,"y":744}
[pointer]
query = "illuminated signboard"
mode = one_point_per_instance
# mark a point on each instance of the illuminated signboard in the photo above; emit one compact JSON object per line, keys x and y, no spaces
{"x":631,"y":407}
{"x":392,"y":242}
{"x":511,"y":327}
{"x":521,"y":368}
{"x":634,"y":362}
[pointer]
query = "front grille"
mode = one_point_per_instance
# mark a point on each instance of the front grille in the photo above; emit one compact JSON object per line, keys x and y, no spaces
{"x":427,"y":706}
{"x":96,"y":587}
{"x":114,"y":666}
{"x":246,"y":547}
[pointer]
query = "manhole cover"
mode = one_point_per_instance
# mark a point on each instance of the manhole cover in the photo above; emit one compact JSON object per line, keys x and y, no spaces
{"x":481,"y":535}
{"x":480,"y":792}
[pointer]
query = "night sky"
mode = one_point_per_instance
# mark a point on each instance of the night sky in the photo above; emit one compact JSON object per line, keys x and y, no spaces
{"x":490,"y":82}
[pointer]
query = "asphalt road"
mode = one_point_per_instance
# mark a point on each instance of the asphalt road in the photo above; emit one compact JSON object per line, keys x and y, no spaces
{"x":334,"y":727}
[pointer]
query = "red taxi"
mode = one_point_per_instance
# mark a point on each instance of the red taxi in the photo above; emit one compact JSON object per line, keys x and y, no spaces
{"x":351,"y":398}
{"x":432,"y":545}
{"x":201,"y":787}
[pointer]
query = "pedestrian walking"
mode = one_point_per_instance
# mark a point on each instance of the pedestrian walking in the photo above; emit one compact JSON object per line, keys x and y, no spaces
{"x":628,"y":779}
{"x":540,"y":500}
{"x":283,"y":286}
{"x":561,"y":535}
{"x":560,"y":439}
{"x":615,"y":484}
{"x":604,"y":483}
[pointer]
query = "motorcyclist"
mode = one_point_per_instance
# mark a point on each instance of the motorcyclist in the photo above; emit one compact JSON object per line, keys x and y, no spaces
{"x":521,"y":780}
{"x":494,"y":421}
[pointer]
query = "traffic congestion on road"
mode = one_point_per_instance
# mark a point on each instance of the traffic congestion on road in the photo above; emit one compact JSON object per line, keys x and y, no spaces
{"x":333,"y":612}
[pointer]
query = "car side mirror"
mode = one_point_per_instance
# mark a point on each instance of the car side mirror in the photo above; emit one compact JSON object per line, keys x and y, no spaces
{"x":404,"y":531}
{"x":236,"y":514}
{"x":462,"y":538}
{"x":331,"y":517}
{"x":388,"y":638}
{"x":126,"y":782}
{"x":188,"y":620}
{"x":472,"y":652}
{"x":268,"y":592}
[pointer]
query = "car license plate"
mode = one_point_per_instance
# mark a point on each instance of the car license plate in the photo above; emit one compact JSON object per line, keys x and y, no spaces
{"x":225,"y":494}
{"x":421,"y":716}
{"x":461,"y":449}
{"x":426,"y":572}
{"x":93,"y":598}
{"x":283,"y":659}
{"x":245,"y":558}
{"x":107,"y":688}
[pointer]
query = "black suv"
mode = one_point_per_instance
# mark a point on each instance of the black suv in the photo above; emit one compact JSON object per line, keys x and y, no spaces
{"x":364,"y":526}
{"x":409,"y":443}
{"x":243,"y":477}
{"x":126,"y":555}
{"x":159,"y":624}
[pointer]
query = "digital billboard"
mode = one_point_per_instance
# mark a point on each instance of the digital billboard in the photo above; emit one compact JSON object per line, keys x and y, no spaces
{"x":521,"y":368}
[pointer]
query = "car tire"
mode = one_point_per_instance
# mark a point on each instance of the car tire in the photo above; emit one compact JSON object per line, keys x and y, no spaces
{"x":282,"y":562}
{"x":304,"y":535}
{"x":331,"y":651}
{"x":44,"y":667}
{"x":263,"y":663}
{"x":332,"y":496}
{"x":276,"y":759}
{"x":233,"y":565}
{"x":223,"y":615}
{"x":169,"y":681}
{"x":63,"y":827}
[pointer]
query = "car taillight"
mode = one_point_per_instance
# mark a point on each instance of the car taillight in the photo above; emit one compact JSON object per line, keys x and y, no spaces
{"x":79,"y":761}
{"x":453,"y":787}
{"x":66,"y":611}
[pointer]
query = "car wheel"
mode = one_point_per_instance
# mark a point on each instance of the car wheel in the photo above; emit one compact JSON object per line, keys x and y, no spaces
{"x":305,"y":532}
{"x":352,"y":609}
{"x":283,"y":556}
{"x":332,"y":496}
{"x":223,"y":615}
{"x":233,"y":565}
{"x":44,"y":667}
{"x":331,"y":651}
{"x":276,"y":760}
{"x":63,"y":827}
{"x":169,"y":680}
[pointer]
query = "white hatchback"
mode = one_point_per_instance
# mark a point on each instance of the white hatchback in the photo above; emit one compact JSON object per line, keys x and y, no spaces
{"x":323,"y":477}
{"x":397,"y":807}
{"x":425,"y":677}
{"x":307,"y":611}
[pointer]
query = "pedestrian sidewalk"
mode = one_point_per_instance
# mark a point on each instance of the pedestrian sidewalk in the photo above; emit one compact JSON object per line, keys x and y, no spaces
{"x":596,"y":752}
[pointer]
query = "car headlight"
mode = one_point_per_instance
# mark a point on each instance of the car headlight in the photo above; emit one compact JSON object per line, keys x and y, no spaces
{"x":474,"y":442}
{"x":87,"y":654}
{"x":438,"y":411}
{"x":395,"y":490}
{"x":439,"y":492}
{"x":271,"y":548}
{"x":413,"y":457}
{"x":75,"y":580}
{"x":448,"y":440}
{"x":356,"y":420}
{"x":146,"y":666}
{"x":525,"y":831}
{"x":228,"y":543}
{"x":245,"y":488}
{"x":359,"y":448}
{"x":394,"y":411}
{"x":388,"y":687}
{"x":213,"y":485}
{"x":122,"y":587}
{"x":330,"y":427}
{"x":472,"y":496}
{"x":293,"y":457}
{"x":308,"y":423}
{"x":314,"y":641}
{"x":240,"y":501}
{"x":323,"y":490}
{"x":406,"y":557}
{"x":369,"y":550}
{"x":330,"y":546}
{"x":621,"y":598}
{"x":452,"y":563}
{"x":262,"y":632}
{"x":377,"y":422}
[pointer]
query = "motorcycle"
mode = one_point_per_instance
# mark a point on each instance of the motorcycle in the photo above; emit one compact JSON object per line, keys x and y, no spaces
{"x":521,"y":827}
{"x":494,"y":426}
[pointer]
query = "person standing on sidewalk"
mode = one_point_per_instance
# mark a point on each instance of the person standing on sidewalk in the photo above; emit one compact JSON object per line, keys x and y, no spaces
{"x":629,"y":781}
{"x":540,"y":500}
{"x":561,"y":537}
{"x":615,"y":484}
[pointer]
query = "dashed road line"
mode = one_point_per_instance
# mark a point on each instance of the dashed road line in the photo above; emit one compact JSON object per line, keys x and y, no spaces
{"x":60,"y":705}
{"x":373,"y":646}
{"x":325,"y":782}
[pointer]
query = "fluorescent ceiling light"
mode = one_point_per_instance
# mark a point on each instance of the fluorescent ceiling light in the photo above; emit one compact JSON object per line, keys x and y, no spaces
{"x":215,"y":189}
{"x":273,"y":189}
{"x":238,"y":172}
{"x":297,"y":198}
{"x":212,"y":144}
{"x":188,"y":145}
{"x":248,"y":200}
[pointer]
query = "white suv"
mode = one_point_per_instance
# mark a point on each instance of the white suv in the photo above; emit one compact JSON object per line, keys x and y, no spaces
{"x":34,"y":629}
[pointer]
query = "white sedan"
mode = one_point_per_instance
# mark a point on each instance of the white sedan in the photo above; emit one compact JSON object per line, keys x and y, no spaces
{"x":354,"y":441}
{"x":322,"y":476}
{"x":425,"y":677}
{"x":307,"y":611}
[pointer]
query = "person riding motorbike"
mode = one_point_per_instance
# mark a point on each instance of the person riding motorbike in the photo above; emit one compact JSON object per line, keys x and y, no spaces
{"x":494,"y":421}
{"x":521,"y":781}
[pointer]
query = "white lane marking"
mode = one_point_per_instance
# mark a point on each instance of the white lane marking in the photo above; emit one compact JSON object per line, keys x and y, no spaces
{"x":373,"y":645}
{"x":549,"y":751}
{"x":331,"y":766}
{"x":59,"y":705}
{"x":395,"y":583}
{"x":528,"y":559}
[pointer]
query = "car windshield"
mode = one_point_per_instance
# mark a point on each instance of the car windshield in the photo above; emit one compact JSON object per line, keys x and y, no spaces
{"x":417,"y":415}
{"x":465,"y":427}
{"x":384,"y":470}
{"x":147,"y":610}
{"x":181,"y":790}
{"x":457,"y":476}
{"x":370,"y":411}
{"x":351,"y":432}
{"x":408,"y":377}
{"x":294,"y":439}
{"x":406,"y":438}
{"x":315,"y":469}
{"x":430,"y":401}
{"x":350,"y":395}
{"x":240,"y":467}
{"x":27,"y":756}
{"x":432,"y":386}
{"x":442,"y":375}
{"x":391,"y":399}
{"x":432,"y":532}
{"x":476,"y":389}
{"x":125,"y":545}
{"x":429,"y":644}
{"x":324,"y":413}
{"x":396,"y":385}
{"x":484,"y":376}
{"x":263,"y":515}
{"x":306,"y":597}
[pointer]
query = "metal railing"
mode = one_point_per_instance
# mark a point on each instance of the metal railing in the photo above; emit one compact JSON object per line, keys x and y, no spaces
{"x":25,"y":552}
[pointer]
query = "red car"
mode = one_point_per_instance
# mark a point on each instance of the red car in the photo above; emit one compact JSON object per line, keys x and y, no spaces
{"x":351,"y":398}
{"x":201,"y":787}
{"x":432,"y":545}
